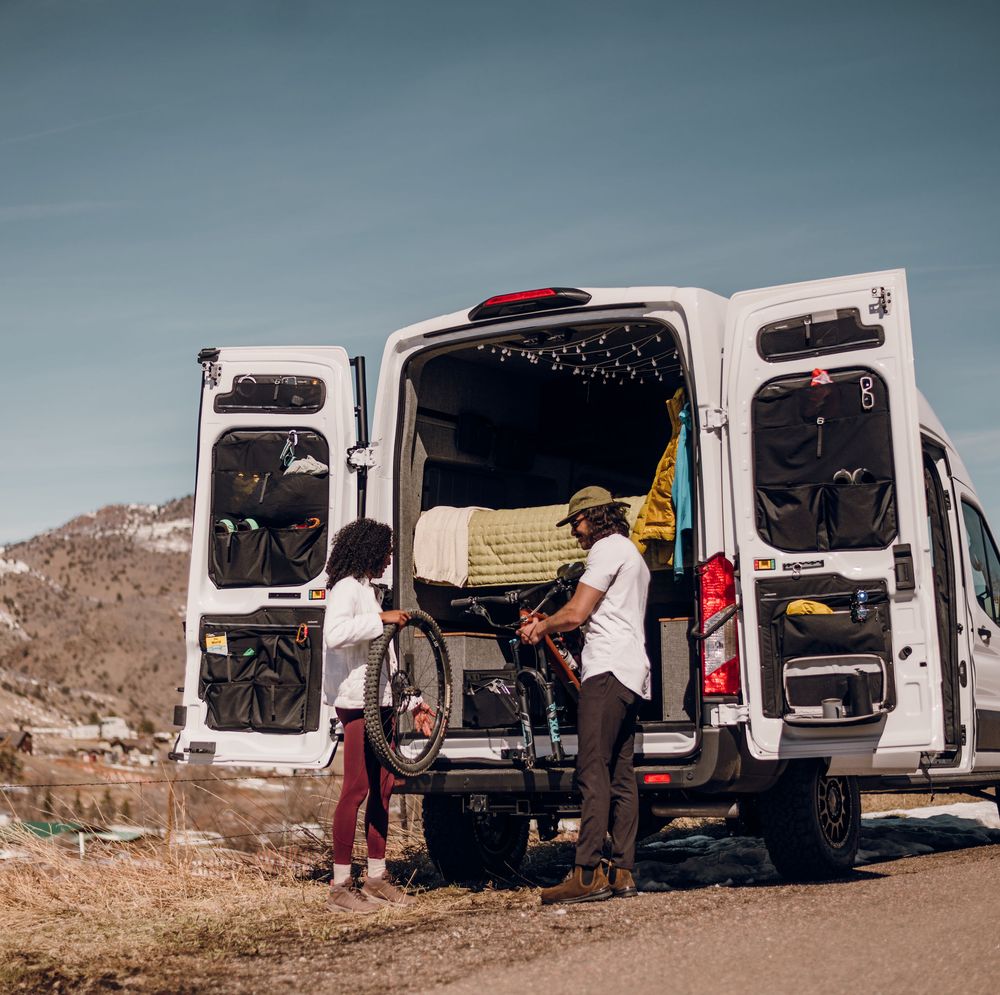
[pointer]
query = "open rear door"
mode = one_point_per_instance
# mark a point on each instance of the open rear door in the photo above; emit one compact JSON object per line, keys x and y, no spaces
{"x":829,"y":522}
{"x":273,"y":485}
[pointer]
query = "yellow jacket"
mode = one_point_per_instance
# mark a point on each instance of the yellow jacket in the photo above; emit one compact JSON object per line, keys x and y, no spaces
{"x":656,"y":517}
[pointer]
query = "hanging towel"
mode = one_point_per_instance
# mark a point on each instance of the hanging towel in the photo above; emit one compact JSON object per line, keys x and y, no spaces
{"x":441,"y":545}
{"x":681,"y":491}
{"x":656,"y":525}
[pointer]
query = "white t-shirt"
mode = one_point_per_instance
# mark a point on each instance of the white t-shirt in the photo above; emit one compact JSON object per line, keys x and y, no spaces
{"x":615,"y":634}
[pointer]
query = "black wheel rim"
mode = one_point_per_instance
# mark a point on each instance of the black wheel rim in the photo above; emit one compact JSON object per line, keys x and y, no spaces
{"x":833,"y":804}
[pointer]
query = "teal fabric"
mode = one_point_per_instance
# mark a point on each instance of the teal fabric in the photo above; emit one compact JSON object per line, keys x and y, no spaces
{"x":680,"y":493}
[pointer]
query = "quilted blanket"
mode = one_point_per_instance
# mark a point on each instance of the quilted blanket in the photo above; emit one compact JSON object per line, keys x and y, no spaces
{"x":522,"y":545}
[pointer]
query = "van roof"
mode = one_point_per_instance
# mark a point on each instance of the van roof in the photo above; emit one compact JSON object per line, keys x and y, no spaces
{"x":600,"y":297}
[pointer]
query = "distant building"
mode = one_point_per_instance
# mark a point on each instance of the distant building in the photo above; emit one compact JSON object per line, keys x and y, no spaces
{"x":19,"y":742}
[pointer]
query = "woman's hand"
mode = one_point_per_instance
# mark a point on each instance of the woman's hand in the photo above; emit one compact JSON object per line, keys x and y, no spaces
{"x":423,"y":719}
{"x":394,"y":617}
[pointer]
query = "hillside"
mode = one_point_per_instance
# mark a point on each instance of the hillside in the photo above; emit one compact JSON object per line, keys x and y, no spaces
{"x":90,"y":617}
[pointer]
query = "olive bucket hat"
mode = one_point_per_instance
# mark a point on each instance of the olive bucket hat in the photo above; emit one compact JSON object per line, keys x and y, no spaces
{"x":585,"y":499}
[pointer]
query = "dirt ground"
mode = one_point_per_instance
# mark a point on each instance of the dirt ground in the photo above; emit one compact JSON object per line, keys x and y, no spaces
{"x":918,"y":924}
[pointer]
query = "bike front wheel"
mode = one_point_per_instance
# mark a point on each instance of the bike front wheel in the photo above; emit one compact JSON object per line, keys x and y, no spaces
{"x":421,"y":678}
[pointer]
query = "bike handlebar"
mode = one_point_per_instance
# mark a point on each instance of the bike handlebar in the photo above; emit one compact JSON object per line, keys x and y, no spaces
{"x":489,"y":599}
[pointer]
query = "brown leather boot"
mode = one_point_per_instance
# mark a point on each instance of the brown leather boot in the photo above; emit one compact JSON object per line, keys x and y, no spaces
{"x":622,"y":883}
{"x":573,"y":889}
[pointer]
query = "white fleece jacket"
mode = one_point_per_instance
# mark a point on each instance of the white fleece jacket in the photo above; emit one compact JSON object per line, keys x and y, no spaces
{"x":352,"y":622}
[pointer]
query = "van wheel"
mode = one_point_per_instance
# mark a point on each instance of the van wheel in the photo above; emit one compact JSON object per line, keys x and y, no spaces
{"x":811,"y":823}
{"x":469,"y":848}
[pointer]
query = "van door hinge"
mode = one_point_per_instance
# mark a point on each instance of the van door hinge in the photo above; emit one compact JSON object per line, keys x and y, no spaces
{"x":883,"y":302}
{"x":728,"y":714}
{"x":963,"y":736}
{"x":211,"y":374}
{"x":947,"y":500}
{"x":963,"y":673}
{"x":713,"y":419}
{"x":362,"y":457}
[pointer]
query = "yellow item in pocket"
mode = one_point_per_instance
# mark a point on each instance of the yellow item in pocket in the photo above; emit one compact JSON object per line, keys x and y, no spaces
{"x":804,"y":607}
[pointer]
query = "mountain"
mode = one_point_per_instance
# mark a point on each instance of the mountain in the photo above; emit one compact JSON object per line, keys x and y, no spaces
{"x":90,"y":617}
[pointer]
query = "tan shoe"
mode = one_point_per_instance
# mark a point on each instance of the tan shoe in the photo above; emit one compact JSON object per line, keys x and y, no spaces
{"x":622,"y":883}
{"x":343,"y":898}
{"x":573,"y":890}
{"x":381,"y":891}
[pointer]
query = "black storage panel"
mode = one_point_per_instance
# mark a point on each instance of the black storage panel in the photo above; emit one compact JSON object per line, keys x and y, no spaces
{"x":823,"y":463}
{"x":263,"y":672}
{"x":279,"y":519}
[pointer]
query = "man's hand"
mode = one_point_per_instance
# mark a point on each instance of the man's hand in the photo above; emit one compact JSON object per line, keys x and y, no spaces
{"x":423,"y":719}
{"x":532,"y":632}
{"x":394,"y":617}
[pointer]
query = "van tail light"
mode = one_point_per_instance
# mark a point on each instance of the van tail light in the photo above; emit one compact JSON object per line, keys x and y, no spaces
{"x":526,"y":301}
{"x":720,"y":654}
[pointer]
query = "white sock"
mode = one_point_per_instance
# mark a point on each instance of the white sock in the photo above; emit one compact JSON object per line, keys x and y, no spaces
{"x":376,"y":868}
{"x":341,"y":874}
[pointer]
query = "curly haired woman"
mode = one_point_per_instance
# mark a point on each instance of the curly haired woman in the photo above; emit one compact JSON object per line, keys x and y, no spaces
{"x":361,"y":551}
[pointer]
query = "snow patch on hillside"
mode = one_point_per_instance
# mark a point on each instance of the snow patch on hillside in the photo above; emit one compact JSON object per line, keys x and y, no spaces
{"x":13,"y":566}
{"x":165,"y":537}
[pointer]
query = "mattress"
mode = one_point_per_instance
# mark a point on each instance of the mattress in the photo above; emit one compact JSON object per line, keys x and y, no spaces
{"x":517,"y":545}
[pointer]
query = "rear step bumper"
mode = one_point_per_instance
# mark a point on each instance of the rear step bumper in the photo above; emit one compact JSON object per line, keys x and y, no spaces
{"x":717,"y":766}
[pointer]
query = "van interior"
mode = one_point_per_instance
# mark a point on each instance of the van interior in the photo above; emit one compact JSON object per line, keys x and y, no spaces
{"x":522,"y":423}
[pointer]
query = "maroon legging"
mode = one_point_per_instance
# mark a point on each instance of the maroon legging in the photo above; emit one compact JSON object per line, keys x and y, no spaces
{"x":363,"y":775}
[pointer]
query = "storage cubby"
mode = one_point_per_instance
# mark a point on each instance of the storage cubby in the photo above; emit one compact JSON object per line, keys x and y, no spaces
{"x":817,"y":652}
{"x":269,"y":523}
{"x":262,"y":672}
{"x":823,"y":467}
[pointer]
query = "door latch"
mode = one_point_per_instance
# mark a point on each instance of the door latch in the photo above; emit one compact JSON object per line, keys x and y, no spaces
{"x":883,"y":302}
{"x":963,"y":673}
{"x":211,"y":374}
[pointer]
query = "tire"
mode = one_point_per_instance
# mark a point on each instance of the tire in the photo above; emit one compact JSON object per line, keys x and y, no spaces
{"x":747,"y":821}
{"x":471,"y":849}
{"x":398,"y":746}
{"x":811,"y":823}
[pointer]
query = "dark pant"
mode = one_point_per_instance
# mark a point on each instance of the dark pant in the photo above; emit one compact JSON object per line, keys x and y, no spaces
{"x":606,"y":734}
{"x":363,"y":775}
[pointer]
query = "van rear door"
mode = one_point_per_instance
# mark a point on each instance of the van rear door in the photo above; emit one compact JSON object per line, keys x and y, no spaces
{"x":273,"y":484}
{"x":829,"y":521}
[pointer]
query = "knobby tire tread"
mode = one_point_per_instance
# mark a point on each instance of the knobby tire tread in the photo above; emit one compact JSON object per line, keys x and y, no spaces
{"x":373,"y":714}
{"x":794,"y":841}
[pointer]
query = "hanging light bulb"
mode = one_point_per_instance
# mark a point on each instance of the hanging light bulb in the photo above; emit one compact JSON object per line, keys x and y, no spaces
{"x":653,"y":361}
{"x":481,"y":346}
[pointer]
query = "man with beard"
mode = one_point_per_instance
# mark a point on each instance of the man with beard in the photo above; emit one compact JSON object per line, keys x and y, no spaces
{"x":611,"y":600}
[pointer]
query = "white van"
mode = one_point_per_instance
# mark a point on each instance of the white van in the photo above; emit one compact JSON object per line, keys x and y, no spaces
{"x":820,"y":621}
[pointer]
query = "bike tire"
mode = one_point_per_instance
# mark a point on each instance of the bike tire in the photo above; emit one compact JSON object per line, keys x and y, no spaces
{"x":400,"y":752}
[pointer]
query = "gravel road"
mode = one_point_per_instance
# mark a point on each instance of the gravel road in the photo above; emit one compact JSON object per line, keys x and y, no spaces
{"x":919,"y":924}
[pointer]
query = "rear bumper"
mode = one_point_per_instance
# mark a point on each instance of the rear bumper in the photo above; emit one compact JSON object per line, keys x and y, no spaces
{"x":720,"y":765}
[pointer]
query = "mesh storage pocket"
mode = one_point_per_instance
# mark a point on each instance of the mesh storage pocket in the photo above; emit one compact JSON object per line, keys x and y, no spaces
{"x":263,"y":672}
{"x":296,"y":555}
{"x":489,"y":699}
{"x":279,"y":707}
{"x":790,"y":517}
{"x":860,"y":515}
{"x":831,"y":635}
{"x":810,"y":680}
{"x":240,"y":559}
{"x":230,"y":706}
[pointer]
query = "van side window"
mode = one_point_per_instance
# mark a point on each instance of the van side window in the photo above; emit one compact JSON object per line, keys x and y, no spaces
{"x":985,"y":562}
{"x":823,"y":466}
{"x":269,"y":392}
{"x":817,"y":334}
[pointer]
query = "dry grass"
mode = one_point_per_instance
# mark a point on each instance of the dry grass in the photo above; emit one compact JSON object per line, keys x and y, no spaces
{"x":129,"y":912}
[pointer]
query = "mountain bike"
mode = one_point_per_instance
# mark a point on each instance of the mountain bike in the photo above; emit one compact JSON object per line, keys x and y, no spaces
{"x":552,"y":657}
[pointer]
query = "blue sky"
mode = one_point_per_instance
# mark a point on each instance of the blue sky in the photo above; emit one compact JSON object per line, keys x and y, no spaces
{"x":176,"y":174}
